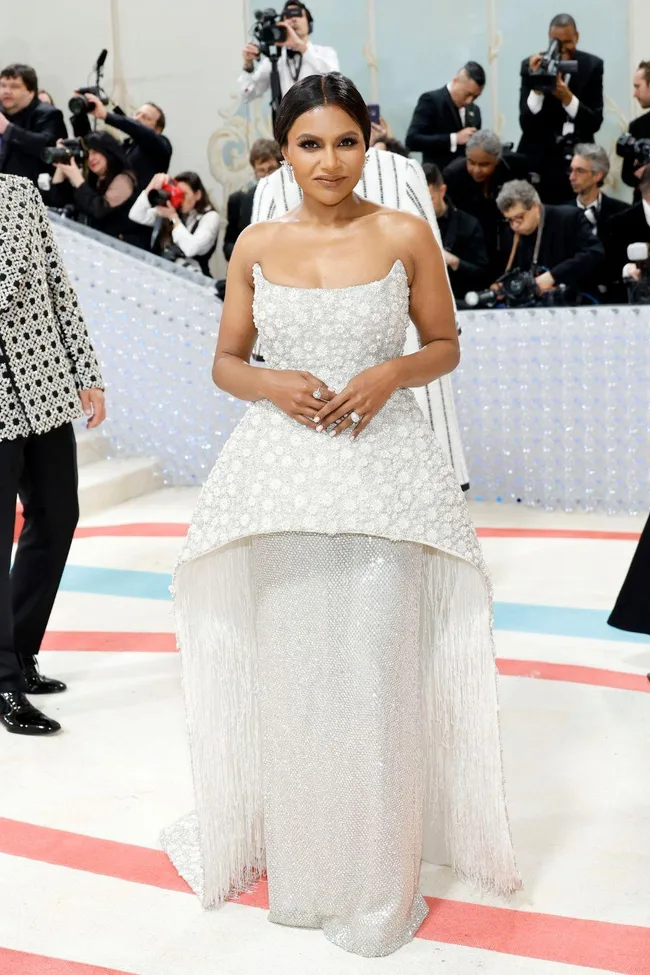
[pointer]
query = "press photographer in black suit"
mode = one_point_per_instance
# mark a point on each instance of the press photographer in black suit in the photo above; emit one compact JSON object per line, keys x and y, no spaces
{"x":27,"y":125}
{"x":556,"y":243}
{"x":639,"y":128}
{"x":474,"y":183}
{"x":553,"y":123}
{"x":630,"y":227}
{"x":265,"y":157}
{"x":445,"y":119}
{"x":462,"y":238}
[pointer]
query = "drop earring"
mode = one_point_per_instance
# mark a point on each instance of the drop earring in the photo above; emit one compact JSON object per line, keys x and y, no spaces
{"x":289,"y":169}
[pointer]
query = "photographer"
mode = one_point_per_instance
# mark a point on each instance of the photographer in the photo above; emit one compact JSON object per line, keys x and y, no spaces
{"x":555,"y":243}
{"x":553,"y":122}
{"x":473,"y":184}
{"x":587,"y":174}
{"x":630,"y":227}
{"x":27,"y":124}
{"x":185,"y":231}
{"x":104,"y":199}
{"x":265,"y":157}
{"x":462,"y":238}
{"x":298,"y":59}
{"x":148,"y":151}
{"x":633,"y":169}
{"x":445,"y":119}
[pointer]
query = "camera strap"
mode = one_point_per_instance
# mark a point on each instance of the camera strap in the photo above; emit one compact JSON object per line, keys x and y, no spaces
{"x":294,"y":63}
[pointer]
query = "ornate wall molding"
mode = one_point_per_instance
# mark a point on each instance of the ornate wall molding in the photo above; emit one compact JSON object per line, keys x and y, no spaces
{"x":495,"y":40}
{"x":370,"y":51}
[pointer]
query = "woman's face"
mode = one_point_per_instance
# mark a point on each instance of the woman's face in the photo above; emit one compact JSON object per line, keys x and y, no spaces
{"x":480,"y":164}
{"x":97,"y":163}
{"x":190,"y":199}
{"x":326,"y":149}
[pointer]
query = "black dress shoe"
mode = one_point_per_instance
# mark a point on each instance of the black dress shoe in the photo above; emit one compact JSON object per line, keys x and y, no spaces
{"x":21,"y":718}
{"x":35,"y":683}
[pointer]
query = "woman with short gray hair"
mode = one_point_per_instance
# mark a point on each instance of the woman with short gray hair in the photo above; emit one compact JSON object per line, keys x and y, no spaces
{"x":517,"y":191}
{"x":474,"y":183}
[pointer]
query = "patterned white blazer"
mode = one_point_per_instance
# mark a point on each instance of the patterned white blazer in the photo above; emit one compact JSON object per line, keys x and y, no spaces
{"x":46,"y":356}
{"x":398,"y":182}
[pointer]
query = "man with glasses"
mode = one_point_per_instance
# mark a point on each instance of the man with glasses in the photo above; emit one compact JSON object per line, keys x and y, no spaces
{"x":556,"y":243}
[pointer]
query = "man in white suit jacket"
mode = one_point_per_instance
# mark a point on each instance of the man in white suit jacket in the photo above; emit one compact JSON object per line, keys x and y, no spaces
{"x":397,"y":182}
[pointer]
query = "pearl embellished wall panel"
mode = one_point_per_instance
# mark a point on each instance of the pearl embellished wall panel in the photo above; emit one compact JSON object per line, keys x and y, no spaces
{"x":554,"y":406}
{"x":155,"y":332}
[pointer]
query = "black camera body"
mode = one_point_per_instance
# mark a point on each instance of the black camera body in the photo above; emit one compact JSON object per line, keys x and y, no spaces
{"x":79,"y":104}
{"x":545,"y":77}
{"x":636,"y":149}
{"x":70,"y":149}
{"x":517,"y":289}
{"x":268,"y":30}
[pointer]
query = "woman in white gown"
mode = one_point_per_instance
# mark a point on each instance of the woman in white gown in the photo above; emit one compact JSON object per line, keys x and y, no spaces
{"x":333,"y":607}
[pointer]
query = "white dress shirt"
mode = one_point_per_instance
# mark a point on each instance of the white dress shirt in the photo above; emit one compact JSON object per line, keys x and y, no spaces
{"x":536,"y":101}
{"x":453,"y":136}
{"x":194,"y":240}
{"x":315,"y":60}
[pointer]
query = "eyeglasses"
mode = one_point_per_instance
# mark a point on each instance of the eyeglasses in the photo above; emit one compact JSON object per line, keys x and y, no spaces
{"x":517,"y":220}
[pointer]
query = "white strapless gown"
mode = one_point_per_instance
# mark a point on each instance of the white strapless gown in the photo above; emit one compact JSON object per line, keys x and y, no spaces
{"x":334,"y":620}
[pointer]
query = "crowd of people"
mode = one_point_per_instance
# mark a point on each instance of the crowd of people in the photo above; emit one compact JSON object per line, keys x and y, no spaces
{"x":109,"y":184}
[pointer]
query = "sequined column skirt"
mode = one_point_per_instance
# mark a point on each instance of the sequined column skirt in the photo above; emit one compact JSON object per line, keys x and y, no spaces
{"x":338,"y":633}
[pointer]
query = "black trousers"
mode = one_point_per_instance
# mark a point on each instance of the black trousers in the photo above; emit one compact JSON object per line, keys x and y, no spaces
{"x":632,"y":610}
{"x":42,"y":470}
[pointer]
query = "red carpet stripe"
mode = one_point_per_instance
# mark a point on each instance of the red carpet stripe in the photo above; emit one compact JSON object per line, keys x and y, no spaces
{"x":166,"y":643}
{"x":572,"y":941}
{"x":21,"y":963}
{"x":557,"y":533}
{"x":179,"y":530}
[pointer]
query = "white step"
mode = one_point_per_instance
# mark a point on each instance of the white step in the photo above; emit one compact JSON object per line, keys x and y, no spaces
{"x":105,"y":483}
{"x":91,"y":446}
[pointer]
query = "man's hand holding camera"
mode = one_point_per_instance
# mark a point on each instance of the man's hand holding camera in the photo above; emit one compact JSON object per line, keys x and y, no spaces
{"x":545,"y":281}
{"x":562,"y":91}
{"x":99,"y":109}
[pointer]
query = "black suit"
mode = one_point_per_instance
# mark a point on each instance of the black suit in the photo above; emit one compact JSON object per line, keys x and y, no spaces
{"x":540,"y":132}
{"x":462,"y":235}
{"x":640,"y":129}
{"x":630,"y":227}
{"x":601,"y":286}
{"x":569,"y":249}
{"x":435,"y":118}
{"x":479,"y":200}
{"x":240,"y":212}
{"x":29,"y":132}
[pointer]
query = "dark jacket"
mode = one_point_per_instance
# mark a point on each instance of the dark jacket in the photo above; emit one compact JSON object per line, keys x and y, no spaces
{"x":462,"y":235}
{"x":148,"y":152}
{"x":540,"y":133}
{"x":91,"y":208}
{"x":569,"y":249}
{"x":28,"y":133}
{"x":434,"y":119}
{"x":640,"y":129}
{"x":479,"y":200}
{"x":240,"y":211}
{"x":601,"y":285}
{"x":623,"y":229}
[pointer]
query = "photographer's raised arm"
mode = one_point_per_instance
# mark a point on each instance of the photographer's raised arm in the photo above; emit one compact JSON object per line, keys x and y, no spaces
{"x":253,"y":84}
{"x":47,"y":130}
{"x":591,"y":105}
{"x":155,"y":144}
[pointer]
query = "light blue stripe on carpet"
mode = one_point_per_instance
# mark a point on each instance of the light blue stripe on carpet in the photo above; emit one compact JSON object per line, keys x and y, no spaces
{"x":590,"y":624}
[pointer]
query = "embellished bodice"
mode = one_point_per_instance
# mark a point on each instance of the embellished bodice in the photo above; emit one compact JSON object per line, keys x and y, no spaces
{"x":333,"y":332}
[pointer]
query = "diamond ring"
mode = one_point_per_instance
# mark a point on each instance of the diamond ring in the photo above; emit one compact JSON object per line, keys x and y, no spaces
{"x":354,"y":416}
{"x":317,"y":393}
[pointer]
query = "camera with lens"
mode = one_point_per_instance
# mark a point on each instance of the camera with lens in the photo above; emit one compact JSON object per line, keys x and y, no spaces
{"x":80,"y":105}
{"x":268,"y":29}
{"x":518,"y":289}
{"x":69,"y":149}
{"x":170,"y":192}
{"x":545,"y":77}
{"x":636,"y":149}
{"x":638,"y":289}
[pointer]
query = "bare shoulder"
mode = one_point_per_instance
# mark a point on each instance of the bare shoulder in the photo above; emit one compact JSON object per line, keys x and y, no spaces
{"x":405,"y":224}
